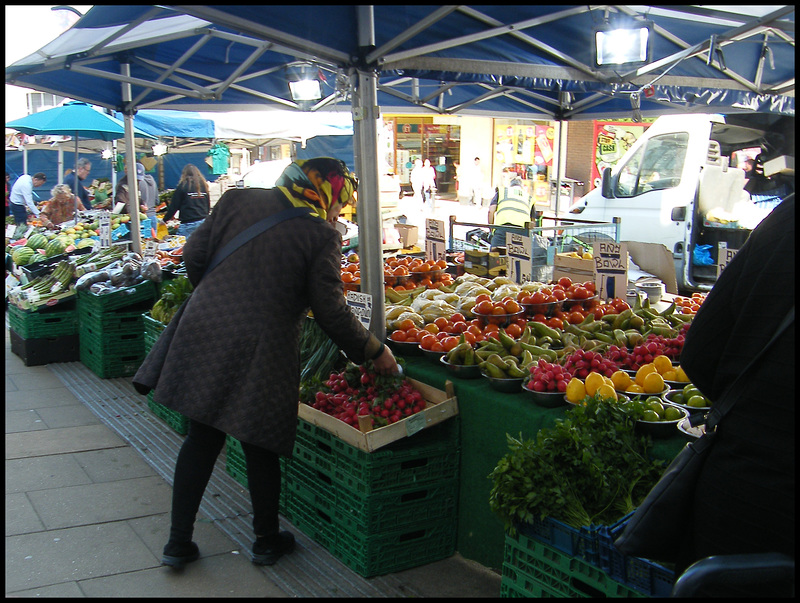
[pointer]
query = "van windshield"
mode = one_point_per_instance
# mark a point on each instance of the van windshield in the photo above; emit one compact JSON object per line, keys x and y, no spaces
{"x":655,"y":166}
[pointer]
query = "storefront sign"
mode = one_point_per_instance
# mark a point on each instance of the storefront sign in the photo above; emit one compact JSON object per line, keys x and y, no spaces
{"x":361,"y":306}
{"x":611,"y":269}
{"x":611,"y":142}
{"x":518,"y":250}
{"x":724,"y":256}
{"x":435,"y":240}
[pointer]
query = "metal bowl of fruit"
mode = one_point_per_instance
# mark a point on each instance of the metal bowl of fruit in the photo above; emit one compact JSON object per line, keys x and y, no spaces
{"x":432,"y":355}
{"x":509,"y":385}
{"x":546,"y":399}
{"x":404,"y":348}
{"x":689,"y":431}
{"x":461,"y":371}
{"x":660,"y":420}
{"x":546,"y":308}
{"x":688,"y":398}
{"x":501,"y":320}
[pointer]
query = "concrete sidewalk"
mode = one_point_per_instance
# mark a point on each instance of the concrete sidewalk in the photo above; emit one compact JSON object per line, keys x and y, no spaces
{"x":88,"y":491}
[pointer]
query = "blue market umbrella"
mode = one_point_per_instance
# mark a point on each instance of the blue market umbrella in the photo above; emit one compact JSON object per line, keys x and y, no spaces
{"x":76,"y":119}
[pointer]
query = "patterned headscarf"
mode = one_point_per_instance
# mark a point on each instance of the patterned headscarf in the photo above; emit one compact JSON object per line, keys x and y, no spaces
{"x":317,"y":183}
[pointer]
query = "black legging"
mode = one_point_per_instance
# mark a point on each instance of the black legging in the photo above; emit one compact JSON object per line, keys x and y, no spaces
{"x":193,"y":470}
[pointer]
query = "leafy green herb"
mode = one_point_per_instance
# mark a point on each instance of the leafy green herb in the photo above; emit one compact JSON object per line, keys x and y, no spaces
{"x":589,"y":468}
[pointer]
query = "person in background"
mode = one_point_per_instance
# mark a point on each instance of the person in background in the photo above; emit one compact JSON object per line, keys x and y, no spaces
{"x":84,"y":167}
{"x":744,"y":500}
{"x":21,"y":197}
{"x":417,"y":178}
{"x":148,"y":192}
{"x":429,"y":182}
{"x":191,"y":200}
{"x":8,"y":179}
{"x":237,"y":372}
{"x":515,"y":208}
{"x":474,"y":192}
{"x":60,"y":208}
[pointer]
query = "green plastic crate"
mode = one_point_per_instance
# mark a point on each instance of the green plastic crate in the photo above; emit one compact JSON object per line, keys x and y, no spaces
{"x":396,"y":550}
{"x":178,"y":422}
{"x":111,"y":322}
{"x":129,"y":296}
{"x":42,"y":324}
{"x":112,"y":344}
{"x":430,"y":455}
{"x":531,"y":566}
{"x":108,"y":366}
{"x":311,"y":483}
{"x":152,"y":330}
{"x":314,"y":523}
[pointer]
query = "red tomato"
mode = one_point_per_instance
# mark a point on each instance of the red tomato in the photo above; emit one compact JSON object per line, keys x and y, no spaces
{"x":575,"y":317}
{"x":555,"y":323}
{"x":565,"y":282}
{"x":590,"y":286}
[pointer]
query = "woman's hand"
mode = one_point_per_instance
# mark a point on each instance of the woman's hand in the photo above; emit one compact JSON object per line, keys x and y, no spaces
{"x":385,"y":364}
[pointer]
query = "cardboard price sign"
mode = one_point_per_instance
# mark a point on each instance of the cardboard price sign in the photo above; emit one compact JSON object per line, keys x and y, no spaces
{"x":361,"y":306}
{"x":724,"y":256}
{"x":611,"y":269}
{"x":435,"y":240}
{"x":518,"y":251}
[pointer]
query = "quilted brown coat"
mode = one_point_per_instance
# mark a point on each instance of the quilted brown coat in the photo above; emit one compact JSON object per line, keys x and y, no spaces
{"x":234,"y":359}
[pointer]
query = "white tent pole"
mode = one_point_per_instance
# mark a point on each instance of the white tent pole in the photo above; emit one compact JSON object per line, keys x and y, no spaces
{"x":77,"y":182}
{"x":60,"y":176}
{"x":365,"y":143}
{"x":130,"y":164}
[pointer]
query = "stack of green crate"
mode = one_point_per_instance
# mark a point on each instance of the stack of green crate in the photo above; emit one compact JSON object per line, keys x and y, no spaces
{"x":44,"y":335}
{"x":532,"y":569}
{"x":111,"y":330}
{"x":178,"y":422}
{"x":377,"y":512}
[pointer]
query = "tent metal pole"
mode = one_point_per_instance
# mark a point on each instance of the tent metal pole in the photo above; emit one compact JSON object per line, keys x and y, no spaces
{"x":130,"y":164}
{"x":365,"y":139}
{"x":77,"y":182}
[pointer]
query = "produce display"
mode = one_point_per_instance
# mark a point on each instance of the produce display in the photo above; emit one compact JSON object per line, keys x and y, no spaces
{"x":590,"y":468}
{"x":358,"y":391}
{"x":173,"y":294}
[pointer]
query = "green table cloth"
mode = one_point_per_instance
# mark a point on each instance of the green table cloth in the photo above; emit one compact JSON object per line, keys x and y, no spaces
{"x":486,"y":416}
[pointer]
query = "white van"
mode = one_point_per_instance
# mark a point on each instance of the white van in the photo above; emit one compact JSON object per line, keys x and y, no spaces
{"x":676,"y":186}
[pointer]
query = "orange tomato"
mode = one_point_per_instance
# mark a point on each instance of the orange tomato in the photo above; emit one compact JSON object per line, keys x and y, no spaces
{"x":426,"y":341}
{"x":482,"y":297}
{"x":437,"y":346}
{"x":347,"y":277}
{"x":498,"y":310}
{"x":513,"y":330}
{"x":457,"y":316}
{"x":441,"y":265}
{"x":398,"y":335}
{"x":406,"y":324}
{"x":575,"y":317}
{"x":431,"y":328}
{"x":539,"y":318}
{"x":441,"y":322}
{"x":555,"y":323}
{"x":484,"y":307}
{"x":511,"y":306}
{"x":469,"y":337}
{"x":448,"y":343}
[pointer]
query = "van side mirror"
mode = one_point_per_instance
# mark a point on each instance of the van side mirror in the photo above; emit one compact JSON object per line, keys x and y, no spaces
{"x":606,"y":188}
{"x":678,"y":214}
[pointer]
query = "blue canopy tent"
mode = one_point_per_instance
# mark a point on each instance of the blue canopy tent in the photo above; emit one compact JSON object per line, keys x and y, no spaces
{"x":526,"y":61}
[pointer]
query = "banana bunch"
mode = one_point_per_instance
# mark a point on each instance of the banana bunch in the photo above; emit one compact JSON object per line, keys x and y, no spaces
{"x":402,"y":297}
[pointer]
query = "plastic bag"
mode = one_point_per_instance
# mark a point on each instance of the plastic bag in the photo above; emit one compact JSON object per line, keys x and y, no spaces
{"x":701,"y":256}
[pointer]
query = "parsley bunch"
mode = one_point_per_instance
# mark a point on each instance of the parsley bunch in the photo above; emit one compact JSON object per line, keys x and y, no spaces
{"x":589,"y":468}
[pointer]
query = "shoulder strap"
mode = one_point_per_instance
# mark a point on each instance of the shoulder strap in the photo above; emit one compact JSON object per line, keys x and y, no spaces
{"x":725,"y":403}
{"x":253,"y":231}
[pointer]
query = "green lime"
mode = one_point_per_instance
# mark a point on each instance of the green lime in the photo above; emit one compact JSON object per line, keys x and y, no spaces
{"x":689,"y":391}
{"x":697,"y":402}
{"x":657,"y":407}
{"x":655,"y":399}
{"x":650,"y":416}
{"x":672,"y":414}
{"x":677,"y":397}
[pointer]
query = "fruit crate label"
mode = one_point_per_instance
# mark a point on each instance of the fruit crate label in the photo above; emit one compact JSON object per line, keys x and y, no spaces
{"x":415,"y":423}
{"x":518,"y":250}
{"x":435,"y":242}
{"x":361,"y":306}
{"x":105,"y":230}
{"x":610,"y":268}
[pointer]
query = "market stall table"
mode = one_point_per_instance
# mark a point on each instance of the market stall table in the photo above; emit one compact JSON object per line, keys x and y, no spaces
{"x":486,"y":416}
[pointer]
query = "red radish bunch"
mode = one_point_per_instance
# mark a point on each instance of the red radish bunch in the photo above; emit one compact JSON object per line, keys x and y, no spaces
{"x":618,"y":355}
{"x":582,"y":362}
{"x":548,"y":377}
{"x":358,"y":392}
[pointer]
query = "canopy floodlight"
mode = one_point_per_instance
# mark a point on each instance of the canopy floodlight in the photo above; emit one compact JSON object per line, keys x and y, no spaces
{"x":623,"y":44}
{"x":304,"y":82}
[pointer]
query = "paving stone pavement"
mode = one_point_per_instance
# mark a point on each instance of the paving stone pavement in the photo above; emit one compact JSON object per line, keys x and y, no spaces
{"x":88,"y":490}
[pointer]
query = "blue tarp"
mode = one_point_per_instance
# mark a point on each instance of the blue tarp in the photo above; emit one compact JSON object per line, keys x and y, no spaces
{"x":166,"y":122}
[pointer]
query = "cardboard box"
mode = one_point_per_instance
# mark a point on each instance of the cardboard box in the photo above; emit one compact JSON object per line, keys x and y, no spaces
{"x":484,"y":263}
{"x":440,"y":407}
{"x":409,"y":234}
{"x":655,"y":259}
{"x":574,"y":268}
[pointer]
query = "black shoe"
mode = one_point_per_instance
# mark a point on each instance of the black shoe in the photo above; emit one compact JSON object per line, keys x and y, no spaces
{"x":179,"y":554}
{"x":268,"y":549}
